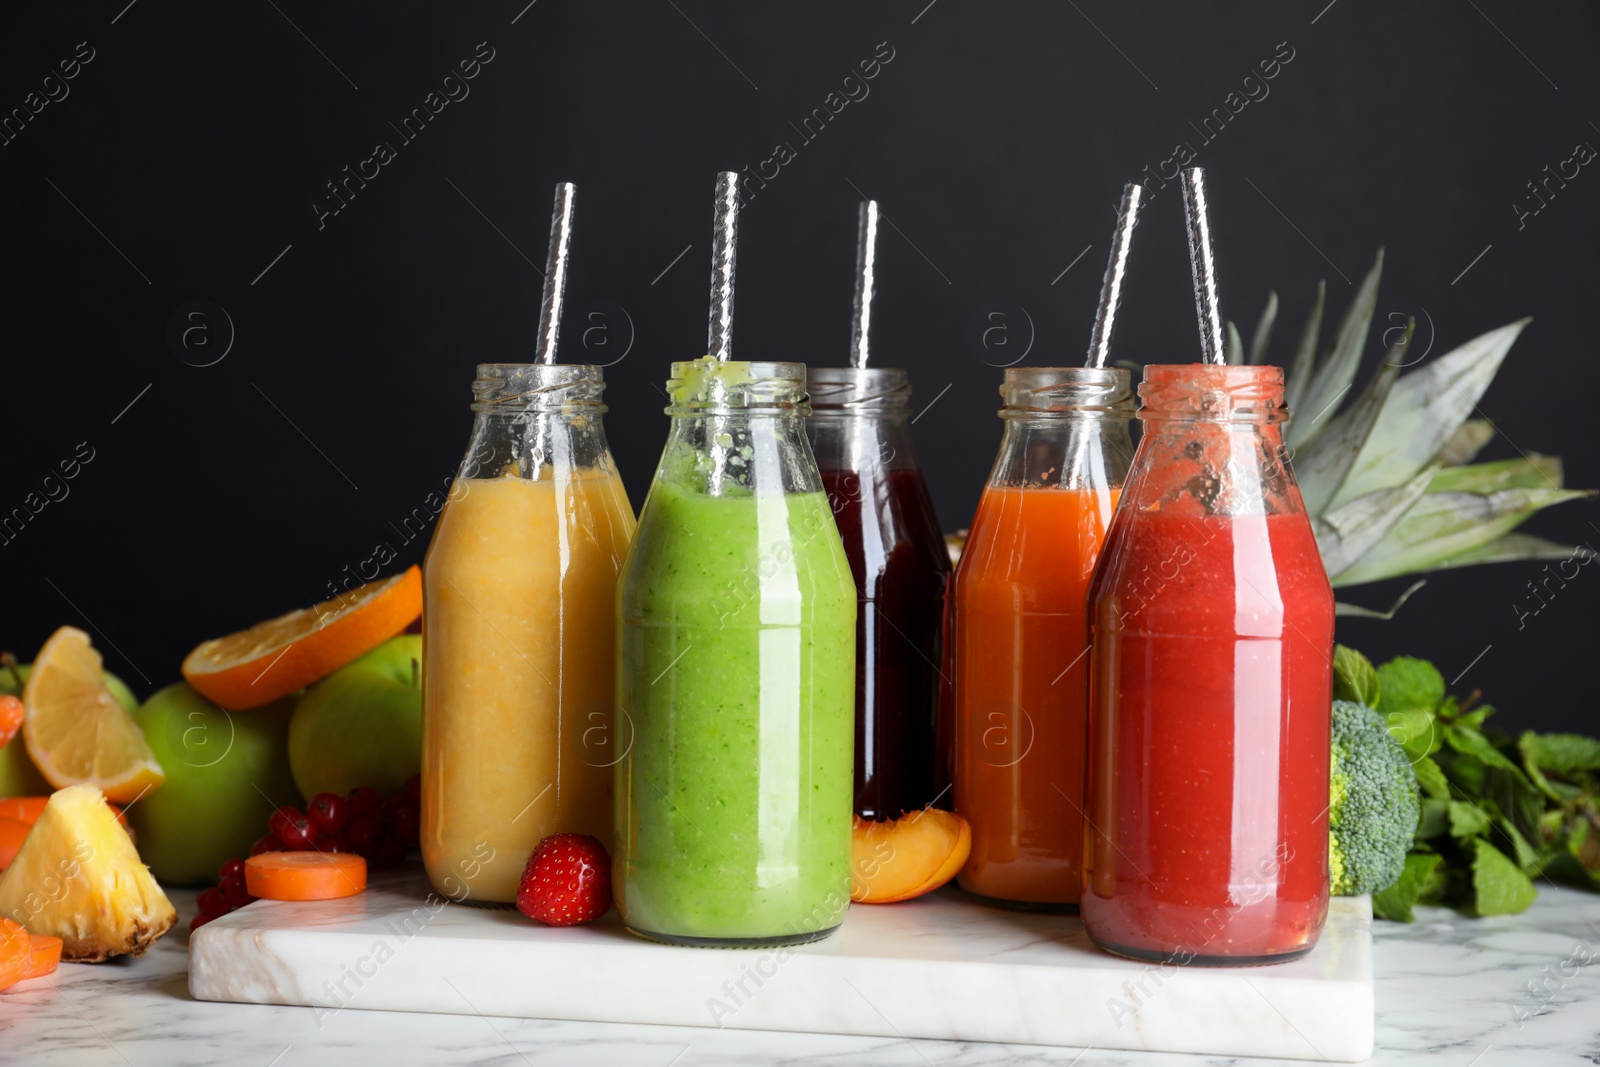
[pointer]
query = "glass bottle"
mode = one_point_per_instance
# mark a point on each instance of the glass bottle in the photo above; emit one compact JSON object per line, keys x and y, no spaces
{"x":1211,"y":687}
{"x":736,"y":674}
{"x":519,"y":586}
{"x":1020,"y":627}
{"x":858,"y":432}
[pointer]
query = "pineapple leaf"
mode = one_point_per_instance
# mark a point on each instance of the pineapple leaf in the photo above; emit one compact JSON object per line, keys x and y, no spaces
{"x":1235,"y":346}
{"x":1466,"y":442}
{"x":1305,"y":356}
{"x":1322,"y":467}
{"x":1263,"y":334}
{"x":1346,"y":534}
{"x":1424,"y":410}
{"x":1338,"y":370}
{"x":1534,"y":471}
{"x":1513,"y":547}
{"x":1341,"y":608}
{"x":1441,"y":526}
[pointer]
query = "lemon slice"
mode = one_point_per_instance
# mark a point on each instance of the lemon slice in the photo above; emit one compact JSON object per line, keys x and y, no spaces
{"x":76,"y":731}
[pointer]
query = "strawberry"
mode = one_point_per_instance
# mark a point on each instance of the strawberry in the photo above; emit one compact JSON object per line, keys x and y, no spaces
{"x":567,"y":881}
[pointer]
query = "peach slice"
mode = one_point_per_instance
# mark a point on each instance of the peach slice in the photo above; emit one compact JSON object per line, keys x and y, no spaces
{"x":906,"y":857}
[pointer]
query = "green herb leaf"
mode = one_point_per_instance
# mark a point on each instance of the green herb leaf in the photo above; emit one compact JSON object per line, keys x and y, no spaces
{"x":1467,"y":820}
{"x":1469,"y":741}
{"x":1499,"y":886}
{"x":1556,"y":753}
{"x":1397,"y":900}
{"x":1435,"y":818}
{"x":1431,"y":779}
{"x":1354,"y":677}
{"x":1407,"y":682}
{"x":1416,"y":730}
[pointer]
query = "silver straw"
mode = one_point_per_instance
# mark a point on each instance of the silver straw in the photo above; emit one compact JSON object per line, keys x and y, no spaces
{"x":1105,"y":315}
{"x":1203,"y":264}
{"x":724,"y":238}
{"x":555,"y":273}
{"x":866,"y":265}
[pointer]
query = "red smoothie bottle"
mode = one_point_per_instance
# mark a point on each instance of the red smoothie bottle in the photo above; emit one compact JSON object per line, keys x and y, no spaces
{"x":1210,"y":687}
{"x":859,"y":434}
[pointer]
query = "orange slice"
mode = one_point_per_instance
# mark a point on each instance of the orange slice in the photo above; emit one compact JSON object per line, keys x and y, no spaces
{"x":77,"y":732}
{"x":280,"y":656}
{"x":305,"y":875}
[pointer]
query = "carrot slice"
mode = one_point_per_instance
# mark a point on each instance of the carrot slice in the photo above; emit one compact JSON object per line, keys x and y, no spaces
{"x":12,"y":833}
{"x":16,"y":953}
{"x":305,"y":875}
{"x":27,"y":809}
{"x":45,"y":957}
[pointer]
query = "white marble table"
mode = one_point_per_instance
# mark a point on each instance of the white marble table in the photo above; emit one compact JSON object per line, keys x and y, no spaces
{"x":1448,"y":990}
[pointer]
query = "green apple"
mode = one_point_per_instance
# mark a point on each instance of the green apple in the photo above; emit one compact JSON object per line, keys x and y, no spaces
{"x":18,"y":776}
{"x":226,"y":771}
{"x":361,"y":725}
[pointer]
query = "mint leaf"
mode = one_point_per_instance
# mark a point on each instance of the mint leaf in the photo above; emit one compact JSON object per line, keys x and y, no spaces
{"x":1354,"y":677}
{"x":1416,"y":730}
{"x":1499,"y":887}
{"x":1470,"y":742}
{"x":1431,"y":779}
{"x":1526,"y":856}
{"x":1557,"y":753}
{"x":1396,"y":901}
{"x":1467,"y":820}
{"x":1406,"y":682}
{"x":1435,"y":818}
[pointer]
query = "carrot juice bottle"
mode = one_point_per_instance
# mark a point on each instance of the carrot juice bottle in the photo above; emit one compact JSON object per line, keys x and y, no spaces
{"x":1020,"y":632}
{"x":1211,"y":685}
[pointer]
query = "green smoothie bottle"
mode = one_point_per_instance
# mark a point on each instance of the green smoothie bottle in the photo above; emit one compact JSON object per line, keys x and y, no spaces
{"x":735,"y":663}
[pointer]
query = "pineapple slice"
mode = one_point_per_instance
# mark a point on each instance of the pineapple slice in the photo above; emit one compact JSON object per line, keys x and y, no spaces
{"x":78,"y":877}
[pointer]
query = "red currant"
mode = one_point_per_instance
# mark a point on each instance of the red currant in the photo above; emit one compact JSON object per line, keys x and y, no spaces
{"x":401,"y":819}
{"x":332,"y":843}
{"x":363,"y":800}
{"x":198,"y":921}
{"x":233,"y":892}
{"x":386,"y":853}
{"x":328,"y":811}
{"x":414,"y":788}
{"x":299,"y":835}
{"x":234,"y":867}
{"x":264,"y":844}
{"x":361,"y":834}
{"x":211,"y":903}
{"x":278,"y":825}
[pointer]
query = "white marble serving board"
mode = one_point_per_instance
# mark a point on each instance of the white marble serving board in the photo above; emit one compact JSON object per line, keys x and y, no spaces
{"x":939,"y":967}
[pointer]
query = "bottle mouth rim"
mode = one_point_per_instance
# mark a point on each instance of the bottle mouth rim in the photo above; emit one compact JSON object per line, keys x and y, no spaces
{"x":859,"y":390}
{"x":706,"y":386}
{"x":538,"y":386}
{"x":1042,"y":392}
{"x":1205,"y":392}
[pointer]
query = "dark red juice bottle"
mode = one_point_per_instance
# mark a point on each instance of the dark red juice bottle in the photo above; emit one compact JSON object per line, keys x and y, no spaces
{"x":858,"y":431}
{"x":1210,"y":687}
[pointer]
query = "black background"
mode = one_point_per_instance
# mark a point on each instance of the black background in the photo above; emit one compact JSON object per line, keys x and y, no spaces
{"x":190,"y":150}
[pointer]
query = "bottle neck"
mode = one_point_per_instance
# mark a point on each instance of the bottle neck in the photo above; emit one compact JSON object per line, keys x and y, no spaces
{"x":1062,"y":450}
{"x":747,"y":453}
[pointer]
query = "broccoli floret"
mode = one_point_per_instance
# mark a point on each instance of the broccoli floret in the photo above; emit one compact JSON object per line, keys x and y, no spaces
{"x":1374,"y":807}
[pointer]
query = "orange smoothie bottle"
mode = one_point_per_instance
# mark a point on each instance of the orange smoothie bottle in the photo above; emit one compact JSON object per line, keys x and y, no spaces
{"x":519,"y":642}
{"x":1020,"y":632}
